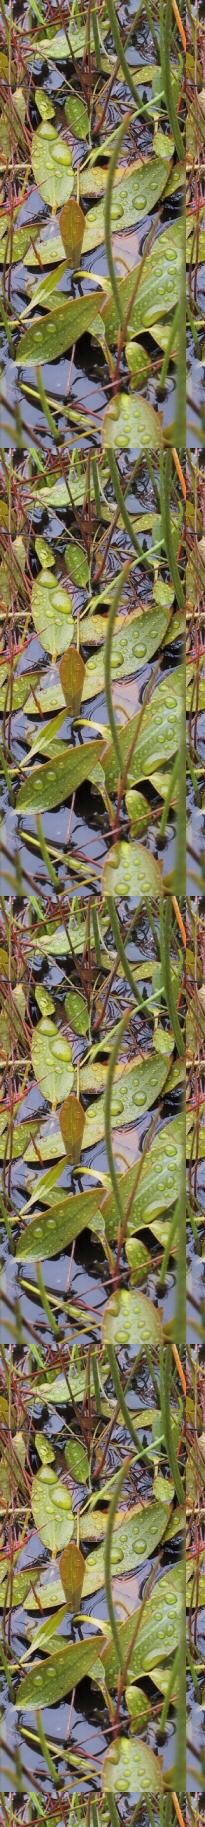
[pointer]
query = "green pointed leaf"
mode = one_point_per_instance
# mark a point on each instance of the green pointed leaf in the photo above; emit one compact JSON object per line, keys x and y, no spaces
{"x":158,"y":288}
{"x":49,"y":1682}
{"x":49,"y":785}
{"x":158,"y":1184}
{"x":72,"y":675}
{"x":76,"y":563}
{"x":158,"y":1633}
{"x":77,"y":1460}
{"x":54,"y":1230}
{"x":77,"y":1013}
{"x":134,"y":642}
{"x":52,"y":165}
{"x":72,"y":1122}
{"x":129,"y":1315}
{"x":51,"y":1061}
{"x":138,"y":811}
{"x":131,"y":869}
{"x":139,"y":1708}
{"x":135,"y":1090}
{"x":72,"y":1574}
{"x":52,"y":613}
{"x":77,"y":116}
{"x":51,"y":1509}
{"x":131,"y":421}
{"x":134,"y":194}
{"x":53,"y":335}
{"x":129,"y":1768}
{"x":133,"y":1541}
{"x":159,"y":734}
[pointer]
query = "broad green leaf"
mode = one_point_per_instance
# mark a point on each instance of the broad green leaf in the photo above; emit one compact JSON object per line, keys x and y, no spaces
{"x":51,"y":1509}
{"x":49,"y":785}
{"x":51,"y":1061}
{"x":158,"y":288}
{"x":44,"y":552}
{"x":158,"y":1633}
{"x":77,"y":116}
{"x":133,"y":196}
{"x":129,"y":1315}
{"x":134,"y":642}
{"x":72,"y":1575}
{"x":49,"y":1681}
{"x":76,"y":563}
{"x":134,"y":1092}
{"x":52,"y":165}
{"x":53,"y":335}
{"x":129,"y":1768}
{"x":129,"y":421}
{"x":44,"y":1448}
{"x":52,"y":613}
{"x":139,"y":1708}
{"x":54,"y":1230}
{"x":158,"y":1185}
{"x":44,"y":1000}
{"x":72,"y":229}
{"x":44,"y":104}
{"x":159,"y":734}
{"x":77,"y":1460}
{"x":77,"y":1013}
{"x":72,"y":675}
{"x":130,"y":869}
{"x":132,"y":1543}
{"x":54,"y":44}
{"x":138,"y":811}
{"x":72,"y":1122}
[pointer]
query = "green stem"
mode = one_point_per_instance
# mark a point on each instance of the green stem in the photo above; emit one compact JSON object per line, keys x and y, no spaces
{"x":172,"y":561}
{"x":45,"y":1750}
{"x":168,"y":1244}
{"x":45,"y":853}
{"x":110,"y":1354}
{"x":167,"y":801}
{"x":119,"y":47}
{"x":96,"y":936}
{"x":45,"y":1301}
{"x":169,"y":1692}
{"x":168,"y":89}
{"x":108,"y":1115}
{"x":45,"y":406}
{"x":108,"y":208}
{"x":107,"y":661}
{"x":169,"y":347}
{"x":165,"y":1381}
{"x":168,"y":984}
{"x":121,"y":502}
{"x":113,"y":1811}
{"x":121,"y":949}
{"x":180,"y":1764}
{"x":180,"y":1318}
{"x":108,"y":1550}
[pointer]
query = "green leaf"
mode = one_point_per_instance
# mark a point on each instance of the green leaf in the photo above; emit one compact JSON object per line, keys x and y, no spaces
{"x":158,"y":1633}
{"x":131,"y":869}
{"x":54,"y":1230}
{"x":129,"y":1768}
{"x":49,"y":1682}
{"x":72,"y":1574}
{"x":139,"y":811}
{"x":129,"y":421}
{"x":72,"y":228}
{"x":49,"y":785}
{"x":133,"y":1541}
{"x":52,"y":165}
{"x":134,"y":194}
{"x":159,"y":734}
{"x":52,"y":613}
{"x":44,"y":552}
{"x":158,"y":288}
{"x":129,"y":1315}
{"x":51,"y":336}
{"x":44,"y":104}
{"x":72,"y":675}
{"x":158,"y":1184}
{"x":44,"y":1448}
{"x":77,"y":116}
{"x":134,"y":642}
{"x":135,"y":1090}
{"x":76,"y":1010}
{"x":76,"y":563}
{"x":76,"y":1459}
{"x":51,"y":1061}
{"x":72,"y":1122}
{"x":138,"y":362}
{"x":139,"y":1707}
{"x":51,"y":1509}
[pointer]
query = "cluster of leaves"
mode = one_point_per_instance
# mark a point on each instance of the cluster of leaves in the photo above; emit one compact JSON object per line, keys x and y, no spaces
{"x":92,"y":564}
{"x":195,"y":581}
{"x":195,"y":1035}
{"x":96,"y":183}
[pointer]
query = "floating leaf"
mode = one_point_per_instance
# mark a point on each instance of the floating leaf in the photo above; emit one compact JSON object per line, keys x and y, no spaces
{"x":54,"y":1230}
{"x":51,"y":1061}
{"x":138,"y":811}
{"x":158,"y":287}
{"x":52,"y":613}
{"x":130,"y":1768}
{"x":138,"y":363}
{"x":158,"y":1633}
{"x":135,"y":1090}
{"x":49,"y":1681}
{"x":44,"y":1448}
{"x":77,"y":116}
{"x":72,"y":1121}
{"x":44,"y":104}
{"x":72,"y":1573}
{"x":52,"y":1509}
{"x":129,"y":421}
{"x":129,"y":1315}
{"x":139,"y":1708}
{"x":44,"y":552}
{"x":132,"y":1543}
{"x":131,"y":869}
{"x":53,"y":335}
{"x":72,"y":227}
{"x":158,"y":1184}
{"x":52,"y":165}
{"x":72,"y":675}
{"x":159,"y":734}
{"x":49,"y":785}
{"x":76,"y":563}
{"x":44,"y":1000}
{"x":134,"y":642}
{"x":76,"y":1010}
{"x":77,"y":1460}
